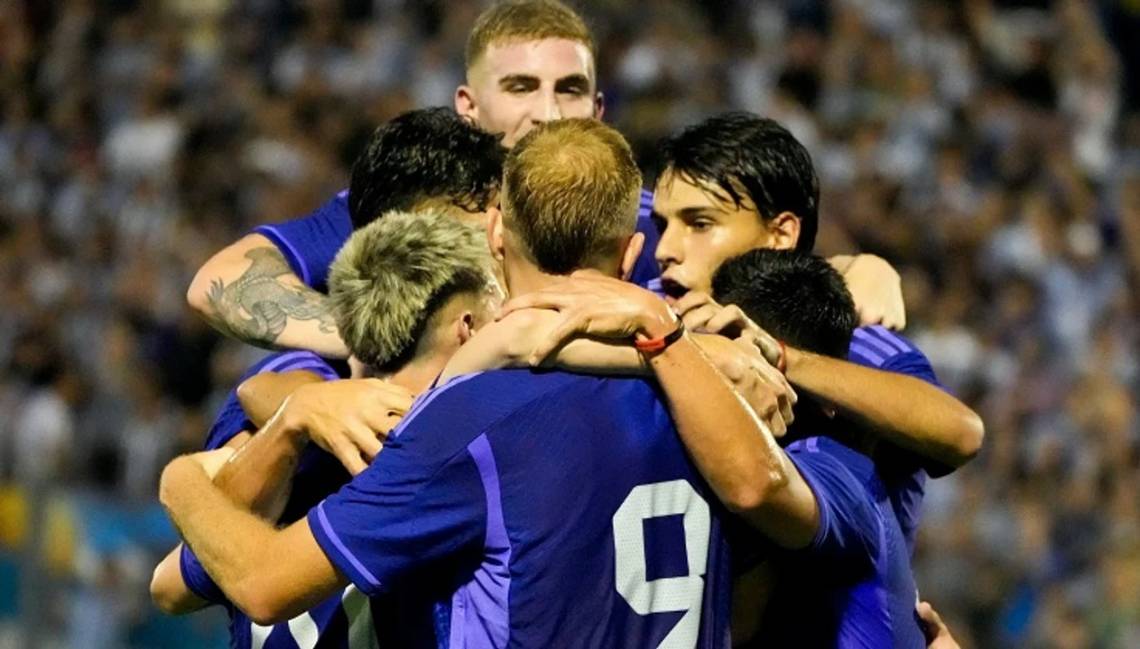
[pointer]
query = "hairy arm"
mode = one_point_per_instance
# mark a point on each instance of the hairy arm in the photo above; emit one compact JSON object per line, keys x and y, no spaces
{"x":733,"y":449}
{"x":904,"y":410}
{"x":248,"y":292}
{"x":271,"y":574}
{"x":168,"y":589}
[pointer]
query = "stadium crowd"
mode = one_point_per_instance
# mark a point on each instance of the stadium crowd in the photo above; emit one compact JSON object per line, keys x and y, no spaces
{"x":989,"y":150}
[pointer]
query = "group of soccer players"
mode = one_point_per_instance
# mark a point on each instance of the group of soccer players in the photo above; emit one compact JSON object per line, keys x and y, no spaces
{"x":710,"y":451}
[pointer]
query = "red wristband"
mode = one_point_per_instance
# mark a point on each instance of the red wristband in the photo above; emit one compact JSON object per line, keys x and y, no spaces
{"x":657,"y":344}
{"x":782,"y":361}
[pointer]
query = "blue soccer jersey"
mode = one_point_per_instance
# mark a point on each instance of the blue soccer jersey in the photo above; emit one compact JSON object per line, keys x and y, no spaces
{"x":311,"y":242}
{"x":852,"y":586}
{"x":548,"y":509}
{"x":344,"y":621}
{"x":903,"y":472}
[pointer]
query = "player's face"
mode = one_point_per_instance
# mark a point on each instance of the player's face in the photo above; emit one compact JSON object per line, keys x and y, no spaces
{"x":518,"y":85}
{"x":701,"y":227}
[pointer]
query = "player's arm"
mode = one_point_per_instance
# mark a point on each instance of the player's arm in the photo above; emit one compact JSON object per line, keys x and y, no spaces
{"x":876,"y":288}
{"x":168,"y":586}
{"x":262,"y":394}
{"x":530,"y":337}
{"x":905,"y":410}
{"x":733,"y":449}
{"x":271,"y":574}
{"x":248,"y":291}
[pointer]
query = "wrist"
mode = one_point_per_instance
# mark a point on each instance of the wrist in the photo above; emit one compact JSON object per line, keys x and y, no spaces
{"x":289,"y":424}
{"x":792,"y":359}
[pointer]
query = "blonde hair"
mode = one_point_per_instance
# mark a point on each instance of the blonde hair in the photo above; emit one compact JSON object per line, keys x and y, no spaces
{"x":394,"y":274}
{"x":570,"y":193}
{"x":525,"y":20}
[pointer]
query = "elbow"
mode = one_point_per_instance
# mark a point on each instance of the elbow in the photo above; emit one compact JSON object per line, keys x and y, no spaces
{"x":198,"y":294}
{"x":260,"y":604}
{"x":749,"y":496}
{"x":972,"y":432}
{"x":168,"y":597}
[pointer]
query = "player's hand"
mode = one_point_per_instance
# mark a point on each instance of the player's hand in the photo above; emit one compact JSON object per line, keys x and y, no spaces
{"x":347,"y":418}
{"x":937,"y":633}
{"x":764,"y":388}
{"x":594,"y":305}
{"x":702,"y":314}
{"x":876,"y":288}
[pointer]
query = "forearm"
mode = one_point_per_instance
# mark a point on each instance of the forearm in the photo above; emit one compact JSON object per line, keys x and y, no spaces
{"x":732,"y":448}
{"x":511,"y":341}
{"x":169,"y":591}
{"x":262,"y":394}
{"x":262,"y":570}
{"x":903,"y":410}
{"x":249,"y":292}
{"x":258,"y":477}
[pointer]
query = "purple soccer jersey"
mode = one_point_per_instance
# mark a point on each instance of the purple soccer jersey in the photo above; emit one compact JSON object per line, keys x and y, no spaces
{"x":310,"y":243}
{"x":852,"y":586}
{"x":548,"y":509}
{"x":346,"y":620}
{"x":904,"y":473}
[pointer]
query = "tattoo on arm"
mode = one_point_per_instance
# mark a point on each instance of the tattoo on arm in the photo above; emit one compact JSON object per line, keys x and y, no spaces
{"x":256,"y":307}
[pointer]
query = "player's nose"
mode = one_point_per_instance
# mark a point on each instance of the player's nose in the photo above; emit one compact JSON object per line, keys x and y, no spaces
{"x":668,"y":250}
{"x":548,"y":109}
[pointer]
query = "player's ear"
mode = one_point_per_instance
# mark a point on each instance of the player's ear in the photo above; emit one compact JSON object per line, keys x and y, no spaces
{"x":599,"y":104}
{"x":631,"y":254}
{"x":495,"y":232}
{"x":465,"y":104}
{"x":464,"y":327}
{"x":785,"y":231}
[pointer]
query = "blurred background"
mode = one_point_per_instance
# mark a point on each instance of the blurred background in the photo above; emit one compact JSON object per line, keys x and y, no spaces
{"x":990,"y":149}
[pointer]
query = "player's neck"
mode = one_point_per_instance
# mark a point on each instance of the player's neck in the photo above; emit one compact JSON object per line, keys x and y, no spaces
{"x":417,"y":375}
{"x":522,"y":279}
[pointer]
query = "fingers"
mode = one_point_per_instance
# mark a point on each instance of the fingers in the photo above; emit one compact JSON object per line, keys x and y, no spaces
{"x":364,"y":438}
{"x":570,"y":326}
{"x":348,"y":455}
{"x":931,"y":617}
{"x":555,"y":301}
{"x":391,"y":396}
{"x":690,"y":301}
{"x":730,"y":321}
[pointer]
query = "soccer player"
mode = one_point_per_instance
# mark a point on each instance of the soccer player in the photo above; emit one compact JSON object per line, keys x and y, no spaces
{"x":528,"y":62}
{"x":843,"y":575}
{"x":551,"y":508}
{"x":847,"y":582}
{"x":431,"y":277}
{"x":736,"y":182}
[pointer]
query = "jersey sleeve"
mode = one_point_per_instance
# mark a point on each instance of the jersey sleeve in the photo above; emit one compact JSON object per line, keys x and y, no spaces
{"x":393,"y":519}
{"x":197,"y":580}
{"x":850,"y":526}
{"x":231,"y":418}
{"x":311,"y":242}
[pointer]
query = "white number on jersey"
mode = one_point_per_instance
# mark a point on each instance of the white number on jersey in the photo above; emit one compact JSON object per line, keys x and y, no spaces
{"x":667,"y":594}
{"x":361,"y":633}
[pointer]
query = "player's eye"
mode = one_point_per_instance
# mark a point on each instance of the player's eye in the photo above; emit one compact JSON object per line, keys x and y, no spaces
{"x":659,"y":222}
{"x":701,"y":225}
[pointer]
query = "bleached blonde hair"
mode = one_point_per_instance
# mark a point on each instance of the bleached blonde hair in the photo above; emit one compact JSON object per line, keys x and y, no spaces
{"x":394,"y":274}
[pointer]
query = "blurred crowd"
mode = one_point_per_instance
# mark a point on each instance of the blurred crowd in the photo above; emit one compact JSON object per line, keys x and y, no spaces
{"x":989,"y":149}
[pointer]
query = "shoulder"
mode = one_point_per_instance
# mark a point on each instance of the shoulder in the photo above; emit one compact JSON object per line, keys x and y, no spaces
{"x":293,"y":361}
{"x":878,"y":347}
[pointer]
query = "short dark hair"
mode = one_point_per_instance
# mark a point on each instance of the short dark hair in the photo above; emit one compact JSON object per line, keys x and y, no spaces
{"x":750,"y":156}
{"x":425,"y":154}
{"x":570,"y":192}
{"x":797,"y":297}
